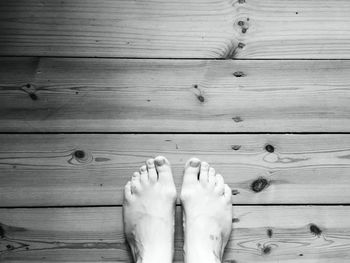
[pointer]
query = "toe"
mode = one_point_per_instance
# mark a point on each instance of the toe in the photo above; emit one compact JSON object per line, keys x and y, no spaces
{"x":127,"y":192}
{"x":152,"y":173}
{"x":219,"y":186}
{"x":135,"y":183}
{"x":144,"y":175}
{"x":227,"y":194}
{"x":143,"y":169}
{"x":203,"y":175}
{"x":211,"y":177}
{"x":191,"y":171}
{"x":164,"y":170}
{"x":136,"y":176}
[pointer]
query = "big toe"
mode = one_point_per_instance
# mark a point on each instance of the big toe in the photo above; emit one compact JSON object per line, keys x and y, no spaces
{"x":192,"y":168}
{"x":164,"y":170}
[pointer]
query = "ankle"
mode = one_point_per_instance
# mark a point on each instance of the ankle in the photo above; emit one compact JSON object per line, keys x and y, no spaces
{"x":156,"y":253}
{"x":195,"y":256}
{"x":156,"y":258}
{"x":203,"y":254}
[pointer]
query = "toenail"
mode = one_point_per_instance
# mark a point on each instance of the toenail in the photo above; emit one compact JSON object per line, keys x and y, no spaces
{"x":150,"y":162}
{"x":194,"y":163}
{"x":159,"y":162}
{"x":204,"y":165}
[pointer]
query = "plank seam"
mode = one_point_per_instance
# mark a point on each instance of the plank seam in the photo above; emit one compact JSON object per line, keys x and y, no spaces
{"x":177,"y":205}
{"x":177,"y":58}
{"x":185,"y":133}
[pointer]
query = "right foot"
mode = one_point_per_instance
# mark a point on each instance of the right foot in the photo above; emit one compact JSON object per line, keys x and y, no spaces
{"x":207,"y":213}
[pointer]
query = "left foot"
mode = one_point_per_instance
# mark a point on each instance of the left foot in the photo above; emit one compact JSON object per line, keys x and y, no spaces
{"x":149,"y":210}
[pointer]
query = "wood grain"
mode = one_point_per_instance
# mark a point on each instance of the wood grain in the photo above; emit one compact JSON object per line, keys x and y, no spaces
{"x":86,"y":169}
{"x":260,"y":234}
{"x":108,"y":95}
{"x":176,"y":29}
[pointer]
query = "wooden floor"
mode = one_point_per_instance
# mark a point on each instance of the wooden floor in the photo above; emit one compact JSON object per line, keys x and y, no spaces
{"x":90,"y":89}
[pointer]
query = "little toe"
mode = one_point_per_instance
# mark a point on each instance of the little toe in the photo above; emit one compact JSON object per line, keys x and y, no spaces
{"x":152,"y":173}
{"x":144,"y":174}
{"x":227,"y":194}
{"x":211,"y":177}
{"x":135,"y":183}
{"x":219,"y":186}
{"x":164,"y":170}
{"x":127,"y":192}
{"x":203,"y":175}
{"x":191,"y":171}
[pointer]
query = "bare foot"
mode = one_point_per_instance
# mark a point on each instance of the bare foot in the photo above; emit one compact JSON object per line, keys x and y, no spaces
{"x":149,"y":209}
{"x":207,"y":213}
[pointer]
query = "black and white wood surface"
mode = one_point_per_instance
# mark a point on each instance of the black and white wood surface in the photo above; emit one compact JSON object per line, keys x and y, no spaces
{"x":90,"y":89}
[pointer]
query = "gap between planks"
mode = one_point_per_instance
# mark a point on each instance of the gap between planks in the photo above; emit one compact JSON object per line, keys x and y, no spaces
{"x":179,"y":205}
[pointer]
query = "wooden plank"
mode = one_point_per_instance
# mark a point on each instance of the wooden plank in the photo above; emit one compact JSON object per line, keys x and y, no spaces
{"x":176,"y":29}
{"x":62,"y":235}
{"x":260,"y":234}
{"x":49,"y":170}
{"x":107,"y":95}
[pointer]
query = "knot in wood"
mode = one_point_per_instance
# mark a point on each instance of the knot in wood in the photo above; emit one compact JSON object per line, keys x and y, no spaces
{"x":243,"y":24}
{"x":79,"y":154}
{"x":30,"y":90}
{"x":315,"y":230}
{"x":269,"y":148}
{"x":239,"y":74}
{"x":259,"y":185}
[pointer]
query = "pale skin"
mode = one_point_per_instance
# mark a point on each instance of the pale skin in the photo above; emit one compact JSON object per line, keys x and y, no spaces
{"x":149,"y":210}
